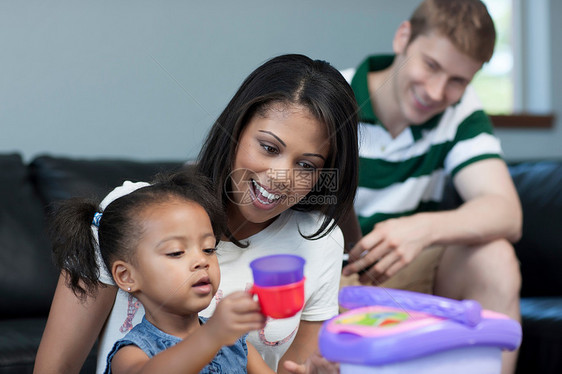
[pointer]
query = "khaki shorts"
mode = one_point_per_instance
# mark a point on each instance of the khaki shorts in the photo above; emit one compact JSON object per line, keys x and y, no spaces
{"x":418,"y":276}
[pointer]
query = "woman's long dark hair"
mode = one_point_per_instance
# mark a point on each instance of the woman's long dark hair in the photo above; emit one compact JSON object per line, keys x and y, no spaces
{"x":295,"y":80}
{"x":74,"y":245}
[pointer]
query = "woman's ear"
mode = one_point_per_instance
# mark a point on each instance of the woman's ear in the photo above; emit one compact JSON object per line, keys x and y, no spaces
{"x":402,"y":37}
{"x":124,"y":276}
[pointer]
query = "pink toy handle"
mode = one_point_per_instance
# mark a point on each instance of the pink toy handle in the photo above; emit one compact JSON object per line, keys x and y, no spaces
{"x":468,"y":312}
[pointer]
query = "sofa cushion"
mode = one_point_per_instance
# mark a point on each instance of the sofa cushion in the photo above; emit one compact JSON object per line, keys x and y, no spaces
{"x":59,"y":178}
{"x":542,"y":335}
{"x":539,"y":185}
{"x":27,"y":276}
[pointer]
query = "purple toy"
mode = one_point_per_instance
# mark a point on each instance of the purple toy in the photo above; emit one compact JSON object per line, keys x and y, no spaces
{"x":396,"y":331}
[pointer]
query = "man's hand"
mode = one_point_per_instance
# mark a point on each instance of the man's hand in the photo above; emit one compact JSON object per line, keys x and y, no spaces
{"x":390,"y":246}
{"x":236,"y":314}
{"x":491,"y":210}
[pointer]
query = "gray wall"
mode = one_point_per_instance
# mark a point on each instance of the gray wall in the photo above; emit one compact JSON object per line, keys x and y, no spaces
{"x":146,"y":79}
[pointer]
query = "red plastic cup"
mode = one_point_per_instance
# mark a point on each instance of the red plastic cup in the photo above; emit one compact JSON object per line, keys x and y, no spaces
{"x":280,"y":301}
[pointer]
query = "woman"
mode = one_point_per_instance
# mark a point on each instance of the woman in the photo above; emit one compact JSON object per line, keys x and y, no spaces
{"x":283,"y":158}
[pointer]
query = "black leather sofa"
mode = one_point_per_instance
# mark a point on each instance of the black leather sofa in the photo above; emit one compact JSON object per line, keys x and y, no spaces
{"x":27,"y":275}
{"x":540,"y":254}
{"x":28,"y":278}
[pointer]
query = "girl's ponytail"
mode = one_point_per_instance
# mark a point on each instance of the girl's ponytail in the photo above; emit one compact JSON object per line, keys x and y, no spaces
{"x":74,"y":245}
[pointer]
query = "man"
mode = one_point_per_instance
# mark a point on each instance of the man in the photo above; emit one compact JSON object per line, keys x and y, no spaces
{"x":421,"y":121}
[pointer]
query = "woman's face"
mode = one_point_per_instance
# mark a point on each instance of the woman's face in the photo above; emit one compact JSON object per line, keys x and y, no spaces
{"x":277,"y":163}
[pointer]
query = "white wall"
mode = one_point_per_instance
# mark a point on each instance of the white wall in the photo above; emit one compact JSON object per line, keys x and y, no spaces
{"x":146,"y":79}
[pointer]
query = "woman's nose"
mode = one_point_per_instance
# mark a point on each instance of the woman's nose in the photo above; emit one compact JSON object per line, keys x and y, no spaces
{"x":280,"y":176}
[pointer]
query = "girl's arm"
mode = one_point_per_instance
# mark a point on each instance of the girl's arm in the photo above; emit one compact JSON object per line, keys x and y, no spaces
{"x":304,"y":345}
{"x":256,"y":364}
{"x":72,"y":329}
{"x":189,"y":356}
{"x":235,"y":315}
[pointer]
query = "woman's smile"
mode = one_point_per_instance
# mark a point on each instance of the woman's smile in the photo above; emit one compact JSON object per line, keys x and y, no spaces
{"x":262,"y":198}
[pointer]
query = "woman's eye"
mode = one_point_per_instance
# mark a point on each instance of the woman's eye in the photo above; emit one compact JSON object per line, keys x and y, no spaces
{"x":209,"y":251}
{"x":307,"y":166}
{"x":270,"y":149}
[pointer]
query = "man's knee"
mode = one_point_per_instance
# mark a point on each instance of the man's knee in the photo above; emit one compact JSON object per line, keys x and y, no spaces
{"x":502,"y":257}
{"x":496,"y":264}
{"x":491,"y":268}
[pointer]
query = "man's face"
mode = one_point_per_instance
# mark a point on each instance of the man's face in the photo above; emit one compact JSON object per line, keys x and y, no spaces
{"x":432,"y":75}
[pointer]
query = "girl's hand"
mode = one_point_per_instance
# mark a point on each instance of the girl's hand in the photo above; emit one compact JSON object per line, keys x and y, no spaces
{"x":235,"y":315}
{"x":315,"y":364}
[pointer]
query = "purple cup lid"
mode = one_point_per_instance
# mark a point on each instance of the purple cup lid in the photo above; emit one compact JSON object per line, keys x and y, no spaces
{"x":277,"y":270}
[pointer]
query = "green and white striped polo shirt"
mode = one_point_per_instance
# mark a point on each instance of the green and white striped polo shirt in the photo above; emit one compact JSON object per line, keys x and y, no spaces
{"x":407,"y":174}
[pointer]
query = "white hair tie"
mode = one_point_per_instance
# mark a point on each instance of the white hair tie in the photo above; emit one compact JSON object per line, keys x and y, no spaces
{"x":126,"y":188}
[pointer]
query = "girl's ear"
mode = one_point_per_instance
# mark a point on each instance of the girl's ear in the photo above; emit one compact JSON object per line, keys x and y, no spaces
{"x":124,"y":276}
{"x":402,"y":37}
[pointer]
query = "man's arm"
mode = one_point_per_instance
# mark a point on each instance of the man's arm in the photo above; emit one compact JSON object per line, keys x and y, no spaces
{"x":491,"y":210}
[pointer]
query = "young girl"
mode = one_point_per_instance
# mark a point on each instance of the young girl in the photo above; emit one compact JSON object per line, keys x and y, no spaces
{"x":283,"y":158}
{"x":159,"y":243}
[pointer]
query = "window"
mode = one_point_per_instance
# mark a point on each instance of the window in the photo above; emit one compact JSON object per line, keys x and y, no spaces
{"x":495,"y":82}
{"x":515,"y":85}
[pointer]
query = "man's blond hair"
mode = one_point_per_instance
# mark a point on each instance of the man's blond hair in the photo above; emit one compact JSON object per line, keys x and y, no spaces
{"x":466,"y":23}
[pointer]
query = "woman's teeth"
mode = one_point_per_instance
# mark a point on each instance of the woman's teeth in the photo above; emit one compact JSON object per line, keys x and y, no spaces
{"x":269,"y":196}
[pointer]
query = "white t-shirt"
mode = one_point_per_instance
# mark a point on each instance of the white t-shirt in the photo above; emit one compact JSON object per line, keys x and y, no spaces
{"x":322,"y":271}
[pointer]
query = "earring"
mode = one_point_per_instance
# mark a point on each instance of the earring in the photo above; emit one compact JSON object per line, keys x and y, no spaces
{"x":129,"y":289}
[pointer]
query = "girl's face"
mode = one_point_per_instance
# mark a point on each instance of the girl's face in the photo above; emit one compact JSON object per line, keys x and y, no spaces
{"x":277,"y":163}
{"x":175,"y":264}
